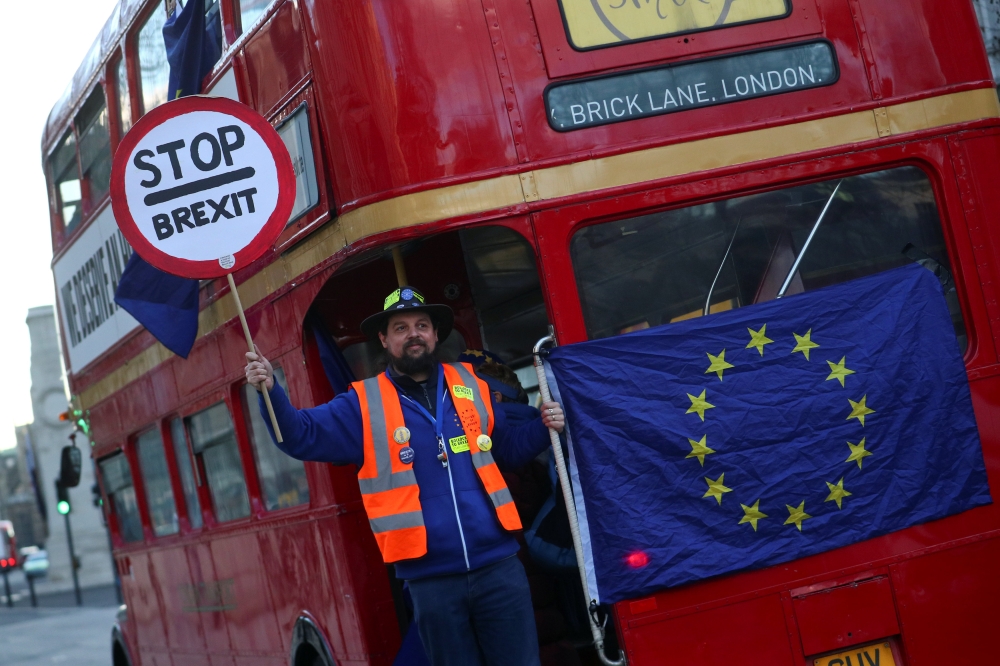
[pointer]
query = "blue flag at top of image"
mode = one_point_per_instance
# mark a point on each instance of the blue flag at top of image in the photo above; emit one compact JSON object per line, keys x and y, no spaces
{"x":771,"y":432}
{"x":167,"y":305}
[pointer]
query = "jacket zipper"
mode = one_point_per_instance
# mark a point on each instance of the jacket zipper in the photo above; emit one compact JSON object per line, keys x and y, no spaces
{"x":451,"y":484}
{"x":458,"y":518}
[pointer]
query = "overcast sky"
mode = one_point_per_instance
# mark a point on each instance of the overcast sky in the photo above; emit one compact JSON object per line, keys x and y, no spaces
{"x":40,"y":57}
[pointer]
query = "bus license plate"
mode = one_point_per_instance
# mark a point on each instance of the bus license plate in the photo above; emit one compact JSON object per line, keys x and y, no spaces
{"x":870,"y":655}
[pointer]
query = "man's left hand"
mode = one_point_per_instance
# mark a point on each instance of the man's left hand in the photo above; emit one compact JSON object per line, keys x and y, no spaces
{"x":552,"y":416}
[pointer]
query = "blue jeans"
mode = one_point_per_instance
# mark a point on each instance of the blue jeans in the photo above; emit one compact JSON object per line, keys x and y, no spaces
{"x":483,"y":617}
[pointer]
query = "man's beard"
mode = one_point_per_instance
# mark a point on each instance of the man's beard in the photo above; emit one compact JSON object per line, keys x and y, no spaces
{"x":408,"y":364}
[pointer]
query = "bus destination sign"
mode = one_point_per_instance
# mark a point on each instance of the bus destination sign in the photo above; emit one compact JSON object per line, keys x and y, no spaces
{"x":660,"y":90}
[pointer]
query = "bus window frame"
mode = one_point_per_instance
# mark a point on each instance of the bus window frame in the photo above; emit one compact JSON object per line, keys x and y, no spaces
{"x":210,"y":521}
{"x":562,"y":58}
{"x":183,"y":515}
{"x":120,"y":545}
{"x":111,"y":84}
{"x":324,"y":209}
{"x":140,"y":486}
{"x":258,"y":504}
{"x":555,"y":228}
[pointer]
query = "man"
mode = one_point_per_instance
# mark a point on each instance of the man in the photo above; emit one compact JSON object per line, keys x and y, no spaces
{"x":426,"y":438}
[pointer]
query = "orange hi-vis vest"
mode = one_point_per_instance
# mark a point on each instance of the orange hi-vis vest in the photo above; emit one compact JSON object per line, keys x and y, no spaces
{"x":388,"y":485}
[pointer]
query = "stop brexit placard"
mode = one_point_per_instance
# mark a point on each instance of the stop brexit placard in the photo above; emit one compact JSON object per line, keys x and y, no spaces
{"x":202,"y":186}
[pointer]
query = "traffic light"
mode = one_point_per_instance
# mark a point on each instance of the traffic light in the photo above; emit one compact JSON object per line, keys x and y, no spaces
{"x":79,"y":418}
{"x":95,"y":491}
{"x":63,"y":505}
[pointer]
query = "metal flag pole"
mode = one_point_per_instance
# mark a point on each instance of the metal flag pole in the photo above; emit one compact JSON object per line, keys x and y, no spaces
{"x":246,"y":332}
{"x":809,"y":239}
{"x":722,"y":264}
{"x":574,"y":526}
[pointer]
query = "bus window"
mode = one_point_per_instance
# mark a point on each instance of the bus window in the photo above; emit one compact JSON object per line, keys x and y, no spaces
{"x":282,"y":479}
{"x":95,"y":148}
{"x":156,"y":479}
{"x":659,"y":268}
{"x":66,"y":176}
{"x":508,"y":295}
{"x":187,"y":475}
{"x":117,"y":479}
{"x":121,"y":91}
{"x":214,"y":440}
{"x":250,"y":11}
{"x":154,"y":70}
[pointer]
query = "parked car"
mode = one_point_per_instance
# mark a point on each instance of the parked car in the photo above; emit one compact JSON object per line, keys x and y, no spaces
{"x":35,"y":562}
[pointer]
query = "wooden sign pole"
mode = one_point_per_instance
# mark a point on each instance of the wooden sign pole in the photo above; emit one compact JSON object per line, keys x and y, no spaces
{"x":246,"y":332}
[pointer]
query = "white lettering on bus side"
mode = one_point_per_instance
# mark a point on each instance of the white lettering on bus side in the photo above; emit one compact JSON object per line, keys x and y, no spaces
{"x":88,"y":296}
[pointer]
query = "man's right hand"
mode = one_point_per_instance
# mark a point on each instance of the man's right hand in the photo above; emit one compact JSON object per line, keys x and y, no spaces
{"x":259,"y":370}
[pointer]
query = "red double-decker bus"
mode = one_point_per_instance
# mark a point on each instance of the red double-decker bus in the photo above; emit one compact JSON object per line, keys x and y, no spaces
{"x":600,"y":166}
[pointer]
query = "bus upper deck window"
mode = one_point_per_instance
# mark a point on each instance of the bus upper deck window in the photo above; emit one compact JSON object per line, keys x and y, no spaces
{"x":282,"y":479}
{"x":156,"y":479}
{"x":250,"y":11}
{"x":95,"y":148}
{"x":659,"y":268}
{"x":213,"y":438}
{"x":117,"y":480}
{"x":191,"y":500}
{"x":66,"y":177}
{"x":124,"y":103}
{"x":154,"y":70}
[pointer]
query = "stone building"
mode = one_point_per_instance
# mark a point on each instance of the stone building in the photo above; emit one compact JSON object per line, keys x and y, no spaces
{"x":49,"y":435}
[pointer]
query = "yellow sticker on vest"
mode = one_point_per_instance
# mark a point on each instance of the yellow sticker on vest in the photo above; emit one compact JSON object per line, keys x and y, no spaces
{"x":459,"y":444}
{"x":463,"y":392}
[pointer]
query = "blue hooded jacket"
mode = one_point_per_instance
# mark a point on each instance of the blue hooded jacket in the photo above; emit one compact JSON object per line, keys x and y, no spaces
{"x":463,"y":532}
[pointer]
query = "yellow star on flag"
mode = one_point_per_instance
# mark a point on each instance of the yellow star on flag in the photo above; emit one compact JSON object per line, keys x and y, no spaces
{"x":858,"y":452}
{"x":718,"y":364}
{"x":716,"y":488}
{"x":859,"y":410}
{"x":837,"y":492}
{"x":474,"y":352}
{"x":699,"y":449}
{"x":796,"y":514}
{"x":803,"y":343}
{"x":751,"y":514}
{"x":758,"y":339}
{"x":699,"y":405}
{"x":839,"y":370}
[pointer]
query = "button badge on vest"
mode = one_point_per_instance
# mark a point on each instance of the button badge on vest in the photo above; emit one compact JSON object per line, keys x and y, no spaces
{"x":401,"y":435}
{"x":406,"y":455}
{"x":484,"y":442}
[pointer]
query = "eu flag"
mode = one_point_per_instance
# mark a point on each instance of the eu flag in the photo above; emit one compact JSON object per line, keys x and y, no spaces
{"x":768,"y":433}
{"x":167,"y":305}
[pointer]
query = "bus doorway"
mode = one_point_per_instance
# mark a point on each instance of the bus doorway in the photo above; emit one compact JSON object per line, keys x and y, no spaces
{"x":488,"y":276}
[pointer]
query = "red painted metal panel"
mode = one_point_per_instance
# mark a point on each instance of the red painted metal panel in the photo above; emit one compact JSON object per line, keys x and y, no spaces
{"x":143,"y":589}
{"x":199,"y":556}
{"x":848,"y":615}
{"x":204,"y":364}
{"x":399,"y":106}
{"x":276,"y":58}
{"x":753,"y":630}
{"x":947,"y":605}
{"x":249,"y":612}
{"x":184,"y":627}
{"x":946,"y":56}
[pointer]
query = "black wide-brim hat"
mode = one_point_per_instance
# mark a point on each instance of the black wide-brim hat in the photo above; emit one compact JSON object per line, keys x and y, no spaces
{"x":408,"y":299}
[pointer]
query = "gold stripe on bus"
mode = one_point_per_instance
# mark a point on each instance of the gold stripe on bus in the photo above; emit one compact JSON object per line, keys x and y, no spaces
{"x":632,"y":168}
